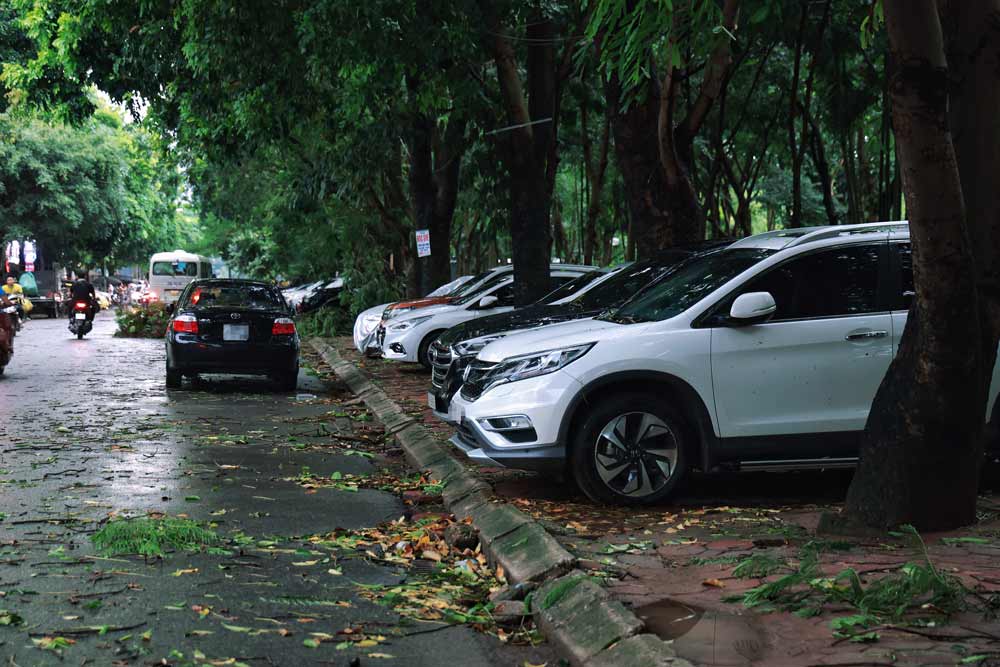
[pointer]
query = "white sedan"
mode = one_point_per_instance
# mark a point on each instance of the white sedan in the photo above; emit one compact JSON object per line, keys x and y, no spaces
{"x":408,"y":337}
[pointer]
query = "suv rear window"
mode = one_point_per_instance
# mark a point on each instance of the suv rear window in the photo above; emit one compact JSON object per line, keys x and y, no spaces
{"x":234,"y":296}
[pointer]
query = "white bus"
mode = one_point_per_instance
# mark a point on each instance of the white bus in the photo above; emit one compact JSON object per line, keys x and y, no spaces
{"x":170,"y":272}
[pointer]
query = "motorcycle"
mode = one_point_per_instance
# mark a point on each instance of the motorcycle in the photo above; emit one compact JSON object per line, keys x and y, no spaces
{"x":21,"y":310}
{"x":8,"y":312}
{"x":80,"y":321}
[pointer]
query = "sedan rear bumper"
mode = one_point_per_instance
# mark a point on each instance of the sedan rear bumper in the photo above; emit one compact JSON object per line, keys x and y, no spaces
{"x":197,"y":356}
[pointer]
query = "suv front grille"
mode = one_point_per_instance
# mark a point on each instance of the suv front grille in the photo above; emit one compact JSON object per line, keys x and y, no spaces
{"x":475,"y":380}
{"x":440,"y":363}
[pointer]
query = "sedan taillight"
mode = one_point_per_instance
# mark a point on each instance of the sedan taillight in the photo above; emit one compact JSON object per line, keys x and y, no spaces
{"x":283,"y":327}
{"x":186,"y":324}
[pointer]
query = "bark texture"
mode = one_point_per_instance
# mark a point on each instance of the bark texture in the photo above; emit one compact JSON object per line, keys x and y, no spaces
{"x":921,"y":449}
{"x":972,"y":44}
{"x":662,"y":201}
{"x":528,"y":147}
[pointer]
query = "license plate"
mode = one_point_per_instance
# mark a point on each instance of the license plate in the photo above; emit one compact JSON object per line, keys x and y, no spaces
{"x":173,"y":292}
{"x":80,"y":316}
{"x":235,"y":332}
{"x":431,"y":400}
{"x":454,"y":413}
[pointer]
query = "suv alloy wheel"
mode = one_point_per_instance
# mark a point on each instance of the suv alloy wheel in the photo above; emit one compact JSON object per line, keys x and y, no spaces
{"x":629,"y":450}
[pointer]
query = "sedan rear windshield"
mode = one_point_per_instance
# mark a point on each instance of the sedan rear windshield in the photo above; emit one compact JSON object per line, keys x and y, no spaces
{"x":691,"y":282}
{"x":234,"y":296}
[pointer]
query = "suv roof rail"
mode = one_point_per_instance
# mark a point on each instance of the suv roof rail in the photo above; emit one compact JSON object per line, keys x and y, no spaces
{"x":833,"y":231}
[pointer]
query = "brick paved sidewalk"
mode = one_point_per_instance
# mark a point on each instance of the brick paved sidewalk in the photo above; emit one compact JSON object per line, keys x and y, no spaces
{"x":674,"y":564}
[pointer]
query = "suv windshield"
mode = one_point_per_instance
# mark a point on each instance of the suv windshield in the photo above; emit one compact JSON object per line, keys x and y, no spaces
{"x":686,"y":286}
{"x":570,"y":288}
{"x":234,"y":295}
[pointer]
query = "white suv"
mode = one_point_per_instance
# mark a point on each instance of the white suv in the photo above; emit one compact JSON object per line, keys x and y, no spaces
{"x":764,"y":355}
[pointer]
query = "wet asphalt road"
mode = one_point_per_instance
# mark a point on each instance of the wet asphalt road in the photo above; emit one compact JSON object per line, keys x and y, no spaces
{"x":88,"y":430}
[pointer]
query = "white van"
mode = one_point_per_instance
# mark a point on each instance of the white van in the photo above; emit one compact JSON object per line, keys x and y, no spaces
{"x":170,"y":272}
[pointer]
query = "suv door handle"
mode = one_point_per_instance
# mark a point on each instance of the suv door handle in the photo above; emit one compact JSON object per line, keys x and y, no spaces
{"x":862,"y":335}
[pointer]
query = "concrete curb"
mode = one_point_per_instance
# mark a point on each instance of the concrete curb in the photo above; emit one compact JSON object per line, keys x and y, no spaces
{"x":575,"y":613}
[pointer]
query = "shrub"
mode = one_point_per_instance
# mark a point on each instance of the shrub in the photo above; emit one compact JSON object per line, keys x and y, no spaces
{"x":142,"y":321}
{"x":327,"y":322}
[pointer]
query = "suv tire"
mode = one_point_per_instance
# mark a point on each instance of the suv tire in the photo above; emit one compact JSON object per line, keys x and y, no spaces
{"x":631,"y":449}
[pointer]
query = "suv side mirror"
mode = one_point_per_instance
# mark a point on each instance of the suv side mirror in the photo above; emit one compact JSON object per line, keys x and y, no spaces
{"x":752,"y":308}
{"x":488,"y":302}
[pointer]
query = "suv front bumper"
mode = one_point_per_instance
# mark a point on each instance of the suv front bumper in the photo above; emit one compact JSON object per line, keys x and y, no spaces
{"x":473,"y":442}
{"x":542,"y":401}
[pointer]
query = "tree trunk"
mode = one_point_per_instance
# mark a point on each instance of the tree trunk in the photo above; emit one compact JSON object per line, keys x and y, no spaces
{"x":663,"y":204}
{"x":921,"y":448}
{"x":972,"y":35}
{"x":528,"y":153}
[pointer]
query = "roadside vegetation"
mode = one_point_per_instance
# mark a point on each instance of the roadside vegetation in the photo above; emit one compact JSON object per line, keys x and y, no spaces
{"x":145,"y":321}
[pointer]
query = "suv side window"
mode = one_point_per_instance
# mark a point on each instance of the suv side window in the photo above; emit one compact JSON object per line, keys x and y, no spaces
{"x":830,"y":283}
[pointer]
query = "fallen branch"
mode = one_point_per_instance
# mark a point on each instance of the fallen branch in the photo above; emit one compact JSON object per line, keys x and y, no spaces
{"x":89,"y":630}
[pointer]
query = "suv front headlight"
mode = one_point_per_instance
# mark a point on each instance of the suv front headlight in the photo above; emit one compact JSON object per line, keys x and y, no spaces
{"x":535,"y":364}
{"x":408,"y":324}
{"x":472,"y":347}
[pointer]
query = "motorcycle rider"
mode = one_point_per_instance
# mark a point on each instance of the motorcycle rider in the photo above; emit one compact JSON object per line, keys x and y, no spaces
{"x":6,"y":329}
{"x":82,"y":290}
{"x":13,"y":289}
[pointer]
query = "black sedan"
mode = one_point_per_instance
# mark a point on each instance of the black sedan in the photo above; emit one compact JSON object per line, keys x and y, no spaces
{"x":232,"y":326}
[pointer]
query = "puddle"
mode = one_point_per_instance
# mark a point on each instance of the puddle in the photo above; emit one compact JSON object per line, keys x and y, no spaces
{"x":669,"y":619}
{"x":704,"y":637}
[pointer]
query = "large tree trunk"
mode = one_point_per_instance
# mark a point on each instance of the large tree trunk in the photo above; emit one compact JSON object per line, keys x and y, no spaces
{"x":921,"y":449}
{"x":596,"y":172}
{"x":972,"y":37}
{"x":664,"y":206}
{"x":528,"y":151}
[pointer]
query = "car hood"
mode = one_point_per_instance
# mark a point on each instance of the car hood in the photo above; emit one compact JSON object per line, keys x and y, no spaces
{"x":514,"y":320}
{"x":421,"y":303}
{"x":550,"y":337}
{"x":421,"y":312}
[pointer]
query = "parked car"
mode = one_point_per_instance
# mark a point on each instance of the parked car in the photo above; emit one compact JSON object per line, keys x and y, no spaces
{"x":232,"y":326}
{"x":295,"y":295}
{"x":407,"y":336}
{"x":367,"y":320}
{"x":327,"y":292}
{"x":369,"y":344}
{"x":763,"y":355}
{"x":453,"y":350}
